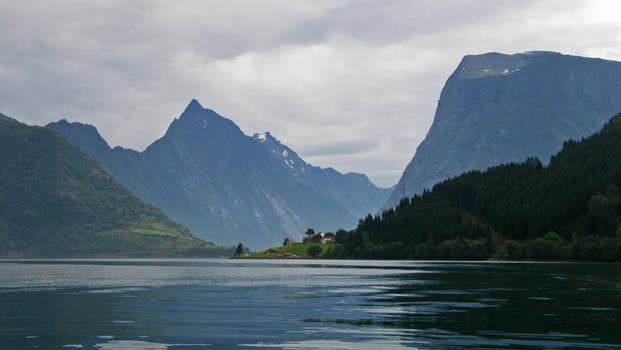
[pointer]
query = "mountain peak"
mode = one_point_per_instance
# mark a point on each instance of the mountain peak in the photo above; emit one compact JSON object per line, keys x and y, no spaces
{"x":498,"y":64}
{"x":197,"y":122}
{"x":194,"y":105}
{"x":206,"y":173}
{"x":195,"y":112}
{"x":493,"y":101}
{"x":82,"y":135}
{"x":64,"y":123}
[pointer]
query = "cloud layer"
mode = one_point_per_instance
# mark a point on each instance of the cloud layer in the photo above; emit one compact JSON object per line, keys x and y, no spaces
{"x":347,"y":84}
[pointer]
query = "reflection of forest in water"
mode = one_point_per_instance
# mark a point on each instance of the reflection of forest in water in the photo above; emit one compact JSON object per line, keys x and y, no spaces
{"x":513,"y":305}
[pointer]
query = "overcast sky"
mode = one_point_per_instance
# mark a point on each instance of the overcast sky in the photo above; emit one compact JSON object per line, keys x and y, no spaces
{"x":347,"y":84}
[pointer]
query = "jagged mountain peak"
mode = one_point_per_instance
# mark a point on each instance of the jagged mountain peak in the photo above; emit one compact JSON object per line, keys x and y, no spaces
{"x":195,"y":110}
{"x":194,"y":104}
{"x":196,"y":119}
{"x":229,"y":187}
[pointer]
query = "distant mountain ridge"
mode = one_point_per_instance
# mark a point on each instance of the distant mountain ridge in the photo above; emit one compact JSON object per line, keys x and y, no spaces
{"x":56,"y":202}
{"x":353,"y":191}
{"x":223,"y":185}
{"x":498,"y":108}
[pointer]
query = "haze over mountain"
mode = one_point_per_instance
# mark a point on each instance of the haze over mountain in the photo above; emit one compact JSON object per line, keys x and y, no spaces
{"x":56,"y":202}
{"x":228,"y":187}
{"x":498,"y":108}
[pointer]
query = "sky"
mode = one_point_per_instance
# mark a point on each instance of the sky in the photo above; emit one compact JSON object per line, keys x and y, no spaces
{"x":347,"y":84}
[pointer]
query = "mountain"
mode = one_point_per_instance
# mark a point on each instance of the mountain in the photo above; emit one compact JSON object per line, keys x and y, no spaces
{"x":56,"y":202}
{"x":6,"y":118}
{"x":353,"y":191}
{"x":223,"y":185}
{"x":570,"y":209}
{"x":499,"y":108}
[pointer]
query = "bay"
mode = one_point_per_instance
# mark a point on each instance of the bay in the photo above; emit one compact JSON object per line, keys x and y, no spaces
{"x":307,"y":304}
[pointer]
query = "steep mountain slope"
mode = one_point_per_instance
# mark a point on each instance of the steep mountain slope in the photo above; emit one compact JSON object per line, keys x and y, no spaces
{"x":6,"y":118}
{"x":353,"y":191}
{"x":56,"y":202}
{"x":499,"y":108}
{"x":570,"y":209}
{"x":223,"y":185}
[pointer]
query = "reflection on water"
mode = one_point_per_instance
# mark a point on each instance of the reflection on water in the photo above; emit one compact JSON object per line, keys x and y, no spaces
{"x":140,"y":345}
{"x":212,"y":304}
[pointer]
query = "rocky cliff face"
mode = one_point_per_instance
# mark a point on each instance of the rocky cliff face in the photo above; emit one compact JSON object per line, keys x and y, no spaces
{"x":223,"y":185}
{"x":499,"y":108}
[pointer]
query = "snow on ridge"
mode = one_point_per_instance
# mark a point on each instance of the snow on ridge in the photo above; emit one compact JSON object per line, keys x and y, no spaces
{"x":261,"y":137}
{"x":504,"y":71}
{"x":289,"y":163}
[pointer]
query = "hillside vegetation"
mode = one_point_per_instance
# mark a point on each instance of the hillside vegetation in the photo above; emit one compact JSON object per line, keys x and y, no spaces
{"x":56,"y":202}
{"x":297,"y":251}
{"x":570,"y":209}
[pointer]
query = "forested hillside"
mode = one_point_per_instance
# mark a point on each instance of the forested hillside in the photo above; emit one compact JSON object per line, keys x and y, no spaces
{"x":570,"y":209}
{"x":56,"y":202}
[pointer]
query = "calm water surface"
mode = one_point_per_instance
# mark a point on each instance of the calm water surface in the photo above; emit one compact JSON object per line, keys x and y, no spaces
{"x":214,"y":304}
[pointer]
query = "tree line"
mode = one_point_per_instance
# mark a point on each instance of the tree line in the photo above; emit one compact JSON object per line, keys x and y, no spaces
{"x":570,"y":209}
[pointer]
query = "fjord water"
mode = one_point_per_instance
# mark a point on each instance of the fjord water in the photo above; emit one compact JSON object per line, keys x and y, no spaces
{"x":213,"y":304}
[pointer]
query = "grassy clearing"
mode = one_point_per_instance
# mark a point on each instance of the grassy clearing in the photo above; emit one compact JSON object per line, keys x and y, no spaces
{"x":149,"y":242}
{"x":299,"y":251}
{"x":158,"y":233}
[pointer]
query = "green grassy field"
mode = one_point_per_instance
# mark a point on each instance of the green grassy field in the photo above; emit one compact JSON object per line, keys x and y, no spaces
{"x":159,"y":233}
{"x":294,"y":251}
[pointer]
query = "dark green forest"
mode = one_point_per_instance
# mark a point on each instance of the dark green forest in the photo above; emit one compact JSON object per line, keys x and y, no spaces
{"x":568,"y":210}
{"x":56,"y":202}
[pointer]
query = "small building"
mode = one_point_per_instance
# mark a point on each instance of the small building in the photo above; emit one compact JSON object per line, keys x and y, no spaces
{"x":292,"y":242}
{"x":314,"y":238}
{"x":327,"y":240}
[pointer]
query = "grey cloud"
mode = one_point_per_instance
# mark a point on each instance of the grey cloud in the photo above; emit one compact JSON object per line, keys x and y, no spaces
{"x":393,"y":20}
{"x":337,"y":148}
